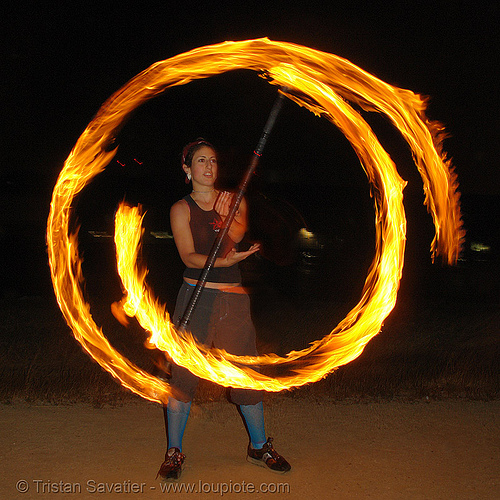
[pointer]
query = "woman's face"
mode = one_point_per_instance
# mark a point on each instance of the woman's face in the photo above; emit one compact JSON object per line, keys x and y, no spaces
{"x":203,"y":167}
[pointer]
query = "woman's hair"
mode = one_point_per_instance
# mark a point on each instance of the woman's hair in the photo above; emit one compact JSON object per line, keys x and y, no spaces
{"x":191,"y":148}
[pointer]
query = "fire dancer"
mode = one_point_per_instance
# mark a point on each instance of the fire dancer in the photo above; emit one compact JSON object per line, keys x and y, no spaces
{"x":222,"y":315}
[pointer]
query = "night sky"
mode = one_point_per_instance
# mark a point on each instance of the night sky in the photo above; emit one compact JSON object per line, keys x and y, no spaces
{"x":61,"y":61}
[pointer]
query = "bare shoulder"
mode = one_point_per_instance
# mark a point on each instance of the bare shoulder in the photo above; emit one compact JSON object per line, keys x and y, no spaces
{"x":180,"y":209}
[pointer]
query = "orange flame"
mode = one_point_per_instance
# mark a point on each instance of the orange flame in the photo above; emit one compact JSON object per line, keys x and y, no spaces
{"x":323,"y":83}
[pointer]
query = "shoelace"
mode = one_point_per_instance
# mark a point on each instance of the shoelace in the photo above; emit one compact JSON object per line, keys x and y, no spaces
{"x":171,"y":462}
{"x":176,"y":458}
{"x":270,"y":451}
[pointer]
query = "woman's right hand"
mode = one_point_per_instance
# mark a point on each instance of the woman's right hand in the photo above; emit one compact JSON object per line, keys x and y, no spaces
{"x":233,"y":257}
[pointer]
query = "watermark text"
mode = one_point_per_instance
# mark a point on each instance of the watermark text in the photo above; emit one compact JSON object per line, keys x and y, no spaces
{"x":48,"y":487}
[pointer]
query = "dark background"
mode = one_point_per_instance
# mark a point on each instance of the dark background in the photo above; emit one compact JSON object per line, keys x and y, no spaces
{"x":61,"y":61}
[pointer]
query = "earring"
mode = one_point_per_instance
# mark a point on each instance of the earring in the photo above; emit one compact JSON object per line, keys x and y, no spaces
{"x":188,"y":178}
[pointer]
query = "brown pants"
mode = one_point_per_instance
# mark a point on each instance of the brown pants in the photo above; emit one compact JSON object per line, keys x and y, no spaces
{"x":222,"y":320}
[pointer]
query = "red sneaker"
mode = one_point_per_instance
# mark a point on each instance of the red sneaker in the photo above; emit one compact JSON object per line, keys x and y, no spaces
{"x":268,"y":457}
{"x":171,"y":468}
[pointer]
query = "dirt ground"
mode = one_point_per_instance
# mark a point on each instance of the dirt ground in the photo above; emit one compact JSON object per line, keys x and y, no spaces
{"x":394,"y":450}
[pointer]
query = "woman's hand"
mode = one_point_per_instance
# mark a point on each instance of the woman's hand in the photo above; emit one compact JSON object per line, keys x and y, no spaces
{"x":223,"y":203}
{"x":233,"y":257}
{"x":238,"y":227}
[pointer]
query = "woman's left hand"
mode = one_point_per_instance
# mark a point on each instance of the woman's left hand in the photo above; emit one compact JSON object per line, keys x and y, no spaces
{"x":223,"y":203}
{"x":222,"y":206}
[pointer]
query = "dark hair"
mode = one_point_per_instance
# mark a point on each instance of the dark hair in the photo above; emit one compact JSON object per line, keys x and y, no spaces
{"x":191,"y":148}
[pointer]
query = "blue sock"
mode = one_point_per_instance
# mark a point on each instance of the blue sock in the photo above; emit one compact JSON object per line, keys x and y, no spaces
{"x":177,"y":417}
{"x":254,"y":418}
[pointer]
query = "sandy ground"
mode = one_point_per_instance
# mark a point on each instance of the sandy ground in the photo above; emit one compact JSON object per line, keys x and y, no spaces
{"x":434,"y":450}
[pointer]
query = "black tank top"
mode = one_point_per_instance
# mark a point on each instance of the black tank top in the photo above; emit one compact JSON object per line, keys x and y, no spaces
{"x":205,"y":225}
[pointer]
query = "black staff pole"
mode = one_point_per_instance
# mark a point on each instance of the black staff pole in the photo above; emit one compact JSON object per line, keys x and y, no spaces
{"x":232,"y":211}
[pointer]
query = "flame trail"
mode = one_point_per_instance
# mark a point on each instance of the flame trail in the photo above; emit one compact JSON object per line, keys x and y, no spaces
{"x":324,"y":84}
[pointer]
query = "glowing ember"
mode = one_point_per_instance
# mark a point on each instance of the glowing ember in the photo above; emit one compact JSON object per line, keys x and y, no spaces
{"x":326,"y":83}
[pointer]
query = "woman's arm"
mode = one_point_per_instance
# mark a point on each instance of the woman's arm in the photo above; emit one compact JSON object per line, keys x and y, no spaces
{"x":179,"y":221}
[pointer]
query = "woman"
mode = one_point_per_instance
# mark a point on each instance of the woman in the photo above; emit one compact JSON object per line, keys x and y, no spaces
{"x":221,"y":317}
